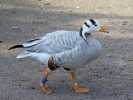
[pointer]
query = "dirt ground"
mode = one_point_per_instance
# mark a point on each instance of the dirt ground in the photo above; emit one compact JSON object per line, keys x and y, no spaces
{"x":110,"y":77}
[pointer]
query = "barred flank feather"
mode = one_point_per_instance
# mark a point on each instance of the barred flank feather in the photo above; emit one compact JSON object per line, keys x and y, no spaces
{"x":51,"y":64}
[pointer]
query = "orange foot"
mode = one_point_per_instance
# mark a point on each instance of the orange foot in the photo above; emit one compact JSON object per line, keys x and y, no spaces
{"x":45,"y":89}
{"x":81,"y":90}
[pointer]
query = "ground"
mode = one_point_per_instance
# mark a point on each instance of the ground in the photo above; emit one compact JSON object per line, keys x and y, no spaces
{"x":110,"y":77}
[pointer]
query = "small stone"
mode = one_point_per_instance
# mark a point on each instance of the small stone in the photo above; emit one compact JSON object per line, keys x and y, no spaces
{"x":97,"y":10}
{"x":54,"y":28}
{"x":36,"y":34}
{"x":32,"y":87}
{"x":16,"y":27}
{"x":19,"y":85}
{"x":47,"y":4}
{"x":111,"y":50}
{"x":13,"y":12}
{"x":129,"y":8}
{"x":61,"y":11}
{"x":124,"y":22}
{"x":121,"y":68}
{"x":77,"y":7}
{"x":130,"y":60}
{"x":42,"y":6}
{"x":17,"y":91}
{"x":111,"y":5}
{"x":41,"y":13}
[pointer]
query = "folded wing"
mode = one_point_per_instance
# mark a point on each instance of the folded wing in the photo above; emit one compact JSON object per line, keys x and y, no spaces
{"x":53,"y":43}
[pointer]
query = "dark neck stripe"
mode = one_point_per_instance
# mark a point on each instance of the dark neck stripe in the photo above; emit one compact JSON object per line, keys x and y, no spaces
{"x":80,"y":33}
{"x":87,"y":25}
{"x":81,"y":29}
{"x":93,"y":22}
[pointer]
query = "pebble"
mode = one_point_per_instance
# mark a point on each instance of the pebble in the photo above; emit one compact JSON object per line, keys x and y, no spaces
{"x":32,"y":87}
{"x":17,"y":91}
{"x":42,"y":6}
{"x":41,"y":13}
{"x":16,"y":27}
{"x":47,"y":4}
{"x":77,"y":7}
{"x":124,"y":22}
{"x":111,"y":5}
{"x":129,"y":8}
{"x":130,"y":60}
{"x":97,"y":10}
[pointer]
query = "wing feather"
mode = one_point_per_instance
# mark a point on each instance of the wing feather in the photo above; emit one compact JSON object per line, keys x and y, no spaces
{"x":72,"y":58}
{"x":54,"y":42}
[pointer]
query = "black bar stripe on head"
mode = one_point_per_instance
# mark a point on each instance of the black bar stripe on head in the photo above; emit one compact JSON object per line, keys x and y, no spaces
{"x":93,"y":22}
{"x":87,"y":25}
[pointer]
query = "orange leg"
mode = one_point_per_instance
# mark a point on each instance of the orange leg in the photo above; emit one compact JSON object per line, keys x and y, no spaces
{"x":76,"y":87}
{"x":42,"y":84}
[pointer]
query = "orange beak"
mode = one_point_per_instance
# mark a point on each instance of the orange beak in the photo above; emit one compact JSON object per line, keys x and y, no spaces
{"x":103,"y":30}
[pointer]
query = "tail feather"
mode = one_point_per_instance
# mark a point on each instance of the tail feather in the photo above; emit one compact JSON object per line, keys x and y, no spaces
{"x":24,"y":54}
{"x":16,"y":46}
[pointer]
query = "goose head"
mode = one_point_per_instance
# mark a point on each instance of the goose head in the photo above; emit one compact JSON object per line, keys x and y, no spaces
{"x":91,"y":26}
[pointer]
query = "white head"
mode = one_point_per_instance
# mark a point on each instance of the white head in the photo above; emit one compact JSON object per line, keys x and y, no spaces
{"x":91,"y":26}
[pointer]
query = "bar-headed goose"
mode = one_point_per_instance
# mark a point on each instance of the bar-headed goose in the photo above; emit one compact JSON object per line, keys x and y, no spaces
{"x":67,"y":49}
